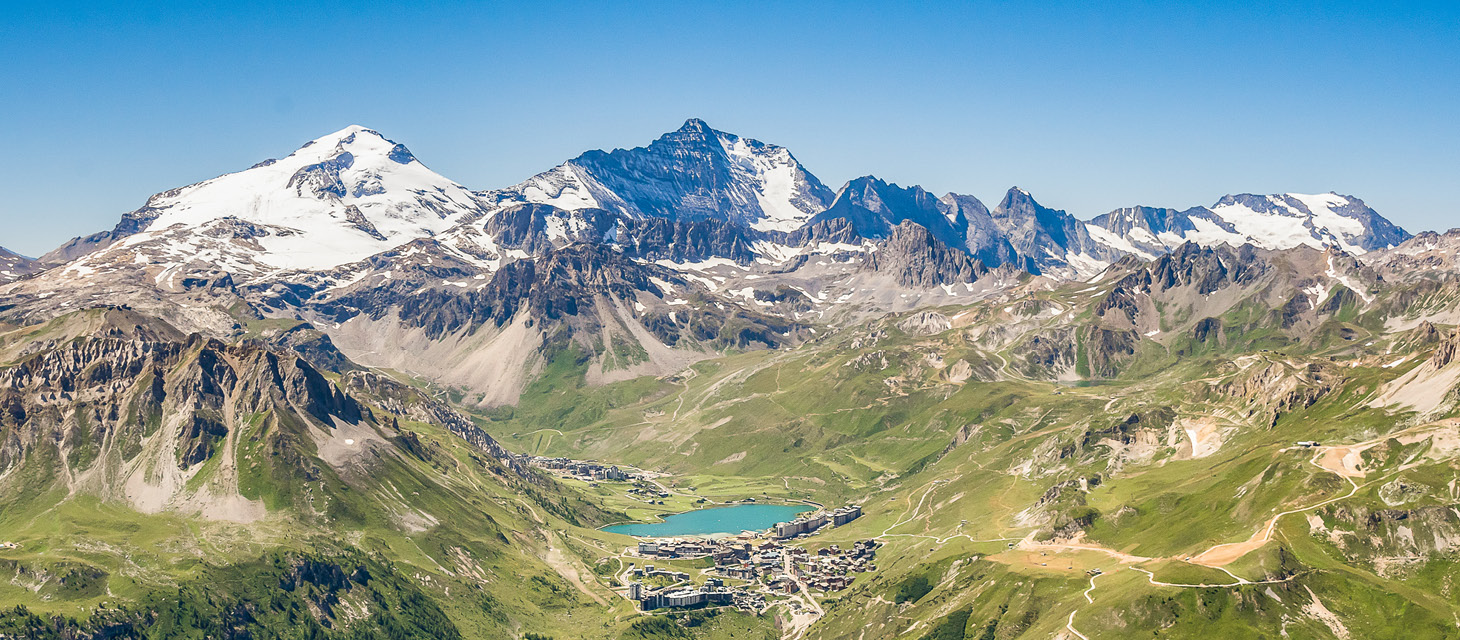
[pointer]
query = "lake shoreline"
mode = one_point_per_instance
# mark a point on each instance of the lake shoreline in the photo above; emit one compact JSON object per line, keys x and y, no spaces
{"x":760,"y":516}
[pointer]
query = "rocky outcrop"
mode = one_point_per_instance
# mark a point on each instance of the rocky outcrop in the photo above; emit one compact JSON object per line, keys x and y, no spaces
{"x":539,"y":228}
{"x":1275,"y":387}
{"x":916,"y":258}
{"x":1106,"y":350}
{"x":1393,"y":542}
{"x":685,"y":241}
{"x":1447,"y":349}
{"x":925,"y":323}
{"x":311,"y":344}
{"x":134,"y":411}
{"x":559,"y":291}
{"x":1206,"y":269}
{"x":875,"y":208}
{"x":1047,"y":354}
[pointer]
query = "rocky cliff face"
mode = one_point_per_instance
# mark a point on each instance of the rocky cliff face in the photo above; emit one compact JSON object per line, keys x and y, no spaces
{"x":1446,"y":350}
{"x":692,"y":173}
{"x":917,"y":259}
{"x":874,"y":208}
{"x":135,"y":412}
{"x":1049,"y":240}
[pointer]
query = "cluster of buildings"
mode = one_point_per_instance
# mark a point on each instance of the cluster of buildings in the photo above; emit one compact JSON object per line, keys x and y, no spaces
{"x":712,"y":593}
{"x":830,"y":569}
{"x":806,"y":525}
{"x":581,"y":469}
{"x":650,"y":572}
{"x":649,"y":491}
{"x":764,"y":560}
{"x":766,"y":564}
{"x":718,"y":549}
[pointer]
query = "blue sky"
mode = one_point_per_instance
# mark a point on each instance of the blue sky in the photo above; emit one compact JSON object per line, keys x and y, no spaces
{"x":1088,"y":105}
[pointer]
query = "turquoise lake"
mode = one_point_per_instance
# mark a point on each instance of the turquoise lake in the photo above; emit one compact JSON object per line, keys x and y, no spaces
{"x":716,"y":520}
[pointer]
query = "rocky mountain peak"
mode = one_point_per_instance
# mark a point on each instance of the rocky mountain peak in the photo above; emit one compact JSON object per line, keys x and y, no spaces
{"x":695,"y":125}
{"x":337,"y":199}
{"x":875,"y":207}
{"x":692,"y":173}
{"x":1016,"y":197}
{"x":917,"y":258}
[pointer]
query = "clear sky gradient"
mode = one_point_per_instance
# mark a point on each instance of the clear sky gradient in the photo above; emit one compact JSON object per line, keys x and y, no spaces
{"x":1088,"y":105}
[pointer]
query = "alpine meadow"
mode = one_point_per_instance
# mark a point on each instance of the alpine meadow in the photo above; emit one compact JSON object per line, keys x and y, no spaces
{"x":686,"y":390}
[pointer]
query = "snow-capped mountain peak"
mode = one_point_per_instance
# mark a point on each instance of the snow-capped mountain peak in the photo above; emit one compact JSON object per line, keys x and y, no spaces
{"x":1278,"y":221}
{"x":694,"y":172}
{"x":337,"y":199}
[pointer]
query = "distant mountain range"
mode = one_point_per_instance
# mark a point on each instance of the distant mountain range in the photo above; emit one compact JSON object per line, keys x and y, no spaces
{"x":354,"y":193}
{"x":352,"y":233}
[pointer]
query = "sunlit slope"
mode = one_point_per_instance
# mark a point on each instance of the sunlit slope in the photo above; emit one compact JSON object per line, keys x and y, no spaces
{"x":1149,"y":421}
{"x":155,"y":483}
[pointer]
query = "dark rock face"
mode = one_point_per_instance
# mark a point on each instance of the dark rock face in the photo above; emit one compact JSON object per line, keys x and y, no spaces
{"x":1107,"y":349}
{"x":1207,"y":330}
{"x":558,"y":290}
{"x":918,"y":259}
{"x":1042,"y":237}
{"x":358,"y":219}
{"x":1047,"y":352}
{"x":792,"y":298}
{"x":322,"y":179}
{"x":686,"y":241}
{"x":122,"y":388}
{"x":311,"y":344}
{"x":1341,"y":297}
{"x":983,"y":237}
{"x":874,"y":208}
{"x":836,"y":230}
{"x":1202,"y":269}
{"x":555,"y":286}
{"x":1122,"y":298}
{"x":688,"y":174}
{"x":1018,"y":232}
{"x":1153,"y":220}
{"x":1206,"y":269}
{"x":526,"y":226}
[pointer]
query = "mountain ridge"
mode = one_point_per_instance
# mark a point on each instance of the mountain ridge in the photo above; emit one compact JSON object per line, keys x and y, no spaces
{"x":352,"y":230}
{"x":699,"y":173}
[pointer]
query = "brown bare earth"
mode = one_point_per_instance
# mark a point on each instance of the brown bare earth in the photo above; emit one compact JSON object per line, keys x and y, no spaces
{"x":1225,"y":554}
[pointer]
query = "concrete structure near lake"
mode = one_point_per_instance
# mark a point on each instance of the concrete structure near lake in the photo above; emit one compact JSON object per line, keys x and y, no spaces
{"x":800,"y":526}
{"x":806,"y":525}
